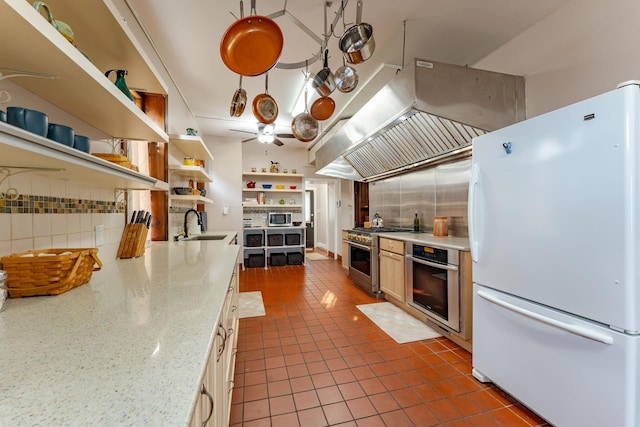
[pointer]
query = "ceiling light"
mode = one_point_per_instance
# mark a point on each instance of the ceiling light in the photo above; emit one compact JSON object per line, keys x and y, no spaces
{"x":266,"y":138}
{"x":268,"y":129}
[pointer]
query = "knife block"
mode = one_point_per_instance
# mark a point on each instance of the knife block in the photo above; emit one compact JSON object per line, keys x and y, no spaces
{"x":133,"y":241}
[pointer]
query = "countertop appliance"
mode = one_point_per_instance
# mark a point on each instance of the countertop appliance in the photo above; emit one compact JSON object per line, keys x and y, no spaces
{"x":280,"y":219}
{"x":363,"y":257}
{"x":554,"y":220}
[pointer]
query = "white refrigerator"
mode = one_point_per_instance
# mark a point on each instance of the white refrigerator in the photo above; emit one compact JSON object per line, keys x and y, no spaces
{"x":554,"y":229}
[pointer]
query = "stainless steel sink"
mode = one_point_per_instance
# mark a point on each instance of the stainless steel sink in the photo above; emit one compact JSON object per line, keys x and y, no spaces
{"x":207,"y":237}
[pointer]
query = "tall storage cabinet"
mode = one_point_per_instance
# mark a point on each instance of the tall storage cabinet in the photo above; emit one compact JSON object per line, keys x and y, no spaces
{"x":265,"y":246}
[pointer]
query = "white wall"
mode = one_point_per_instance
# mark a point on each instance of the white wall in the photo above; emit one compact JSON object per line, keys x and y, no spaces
{"x":583,"y":49}
{"x":226,"y":188}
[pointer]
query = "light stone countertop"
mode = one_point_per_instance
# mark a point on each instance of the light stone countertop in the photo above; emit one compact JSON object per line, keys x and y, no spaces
{"x":126,"y":349}
{"x":449,"y":242}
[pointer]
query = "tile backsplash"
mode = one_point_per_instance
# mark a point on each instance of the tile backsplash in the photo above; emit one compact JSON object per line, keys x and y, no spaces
{"x":54,"y":213}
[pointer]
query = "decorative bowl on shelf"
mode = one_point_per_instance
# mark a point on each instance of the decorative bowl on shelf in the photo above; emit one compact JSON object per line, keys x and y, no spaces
{"x":182,"y":191}
{"x":266,"y":185}
{"x":280,"y":187}
{"x":293,"y":187}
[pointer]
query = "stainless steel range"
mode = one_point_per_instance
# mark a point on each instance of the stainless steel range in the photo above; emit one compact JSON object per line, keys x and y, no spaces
{"x":363,"y":257}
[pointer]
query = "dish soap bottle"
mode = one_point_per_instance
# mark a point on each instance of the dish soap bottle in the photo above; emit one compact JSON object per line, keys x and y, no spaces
{"x":416,"y":223}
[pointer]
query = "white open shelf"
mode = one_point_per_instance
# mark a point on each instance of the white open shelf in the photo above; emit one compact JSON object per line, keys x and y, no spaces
{"x":192,"y":146}
{"x":196,"y":173}
{"x":30,"y":44}
{"x":22,"y":149}
{"x":197,"y":199}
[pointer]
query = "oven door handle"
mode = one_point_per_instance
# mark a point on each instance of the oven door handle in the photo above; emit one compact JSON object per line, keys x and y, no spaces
{"x":433,"y":264}
{"x":357,"y":245}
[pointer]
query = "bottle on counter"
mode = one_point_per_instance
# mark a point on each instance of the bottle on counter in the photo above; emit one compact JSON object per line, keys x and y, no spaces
{"x":416,"y":223}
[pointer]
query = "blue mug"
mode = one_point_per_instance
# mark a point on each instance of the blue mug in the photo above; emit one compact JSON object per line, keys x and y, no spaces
{"x":61,"y":133}
{"x":31,"y":120}
{"x":82,"y":143}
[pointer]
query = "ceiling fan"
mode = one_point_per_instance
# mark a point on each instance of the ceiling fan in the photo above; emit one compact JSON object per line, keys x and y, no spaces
{"x":266,"y":134}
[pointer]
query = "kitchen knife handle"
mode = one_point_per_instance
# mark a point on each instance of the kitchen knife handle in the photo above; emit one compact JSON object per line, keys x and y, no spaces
{"x":148,"y":224}
{"x":133,"y":217}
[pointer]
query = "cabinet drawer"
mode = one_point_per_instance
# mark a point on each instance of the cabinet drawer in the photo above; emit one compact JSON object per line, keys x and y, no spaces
{"x":395,"y":246}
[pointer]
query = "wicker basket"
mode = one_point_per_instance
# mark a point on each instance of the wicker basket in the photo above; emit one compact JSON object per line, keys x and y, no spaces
{"x":49,"y":275}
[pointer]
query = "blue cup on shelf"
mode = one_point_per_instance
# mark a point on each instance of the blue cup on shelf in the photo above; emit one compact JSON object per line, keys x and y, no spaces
{"x":3,"y":116}
{"x":61,"y":133}
{"x":31,"y":120}
{"x":82,"y":143}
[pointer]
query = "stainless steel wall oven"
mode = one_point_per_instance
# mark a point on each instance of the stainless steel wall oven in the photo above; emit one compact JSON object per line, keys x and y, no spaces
{"x":433,"y":285}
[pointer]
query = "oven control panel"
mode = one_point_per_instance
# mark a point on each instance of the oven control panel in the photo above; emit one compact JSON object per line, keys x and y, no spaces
{"x":359,"y":237}
{"x":431,"y":254}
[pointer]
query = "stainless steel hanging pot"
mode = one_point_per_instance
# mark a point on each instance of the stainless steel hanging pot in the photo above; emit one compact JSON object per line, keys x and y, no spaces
{"x":357,"y":43}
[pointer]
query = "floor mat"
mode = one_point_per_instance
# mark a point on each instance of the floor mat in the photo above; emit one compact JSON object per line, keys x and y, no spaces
{"x":314,"y":256}
{"x":250,"y":304}
{"x":397,"y":323}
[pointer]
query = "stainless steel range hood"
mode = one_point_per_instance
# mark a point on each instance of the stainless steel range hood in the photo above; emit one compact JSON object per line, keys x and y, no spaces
{"x":429,"y":112}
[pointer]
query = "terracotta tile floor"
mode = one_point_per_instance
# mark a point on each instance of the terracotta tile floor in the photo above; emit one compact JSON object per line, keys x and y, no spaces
{"x":315,"y":360}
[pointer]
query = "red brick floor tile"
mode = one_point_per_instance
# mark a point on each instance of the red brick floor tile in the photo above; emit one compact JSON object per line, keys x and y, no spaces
{"x":306,"y":399}
{"x":286,"y":420}
{"x":361,"y":408}
{"x":315,"y":359}
{"x":329,"y":395}
{"x":351,"y":390}
{"x":301,"y":384}
{"x":421,"y":415}
{"x":396,"y":419}
{"x":256,"y":409}
{"x":313,"y":417}
{"x":374,"y":421}
{"x":337,"y":413}
{"x":372,"y":386}
{"x":281,"y":405}
{"x":343,"y":376}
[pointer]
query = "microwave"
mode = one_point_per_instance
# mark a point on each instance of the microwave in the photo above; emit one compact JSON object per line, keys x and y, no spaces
{"x":280,"y":219}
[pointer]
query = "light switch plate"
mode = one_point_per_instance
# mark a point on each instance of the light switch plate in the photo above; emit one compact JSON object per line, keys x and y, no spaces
{"x":99,"y":235}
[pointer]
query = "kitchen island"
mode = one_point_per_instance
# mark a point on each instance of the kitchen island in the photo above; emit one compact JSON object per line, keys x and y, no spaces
{"x":129,"y":348}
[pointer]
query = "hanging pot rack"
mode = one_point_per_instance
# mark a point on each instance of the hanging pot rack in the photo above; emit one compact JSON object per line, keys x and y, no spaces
{"x":322,"y":41}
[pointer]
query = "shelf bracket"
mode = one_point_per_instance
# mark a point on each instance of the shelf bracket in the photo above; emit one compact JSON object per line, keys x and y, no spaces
{"x":9,"y":171}
{"x":119,"y":195}
{"x":14,"y":73}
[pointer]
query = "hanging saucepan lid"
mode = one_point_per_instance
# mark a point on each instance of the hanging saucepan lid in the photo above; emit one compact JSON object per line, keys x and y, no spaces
{"x":239,"y":101}
{"x":323,"y":81}
{"x":251,"y":46}
{"x":303,"y":126}
{"x":322,"y":108}
{"x":265,"y":108}
{"x":357,"y":43}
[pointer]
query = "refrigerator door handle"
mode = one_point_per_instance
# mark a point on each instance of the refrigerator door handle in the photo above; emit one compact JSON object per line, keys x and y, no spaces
{"x":574,"y":329}
{"x":473,"y":242}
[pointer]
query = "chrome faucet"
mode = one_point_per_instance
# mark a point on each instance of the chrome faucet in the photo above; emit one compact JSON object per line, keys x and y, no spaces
{"x":186,"y":214}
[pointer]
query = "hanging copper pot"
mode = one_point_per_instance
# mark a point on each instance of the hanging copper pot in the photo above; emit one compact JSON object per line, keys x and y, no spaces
{"x":322,"y":108}
{"x":251,"y":46}
{"x":265,"y":108}
{"x":239,"y":101}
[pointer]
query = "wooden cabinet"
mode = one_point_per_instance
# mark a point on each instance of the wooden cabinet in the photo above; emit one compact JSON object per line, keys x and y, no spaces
{"x":392,"y":268}
{"x":213,"y":407}
{"x":345,"y":251}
